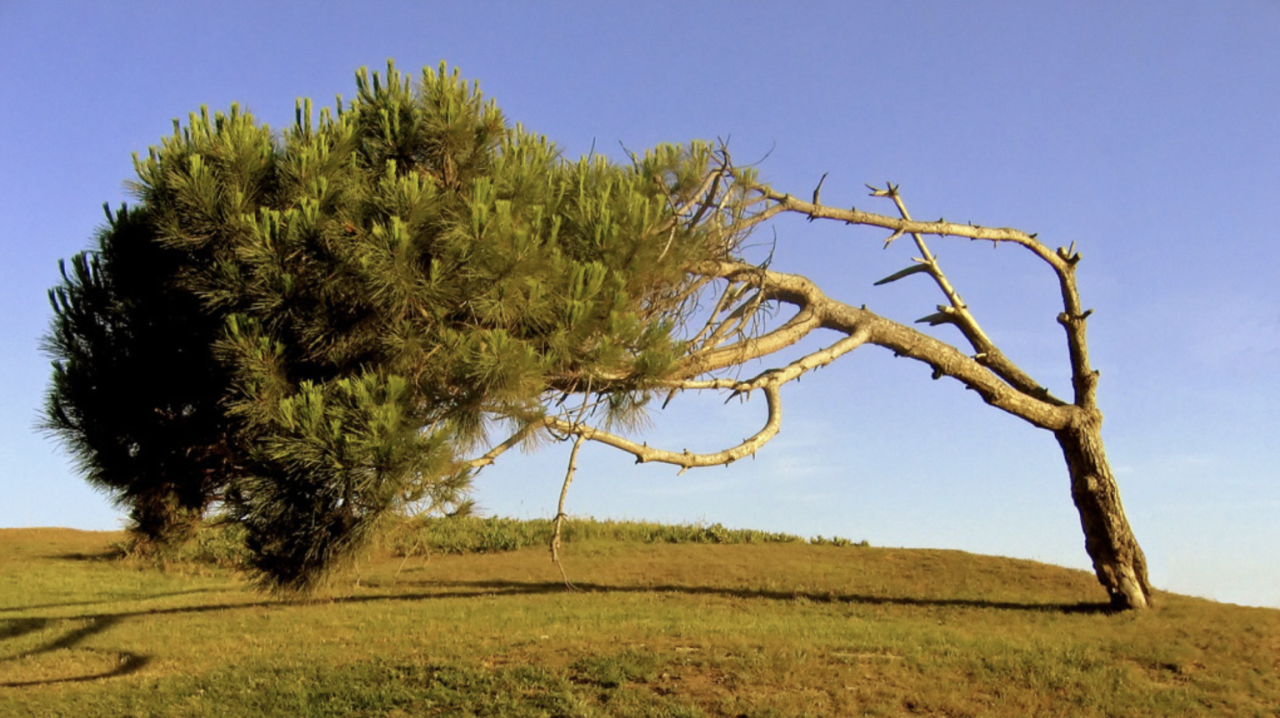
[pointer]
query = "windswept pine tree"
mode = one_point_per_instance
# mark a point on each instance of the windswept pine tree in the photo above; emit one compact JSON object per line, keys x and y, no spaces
{"x":398,"y":290}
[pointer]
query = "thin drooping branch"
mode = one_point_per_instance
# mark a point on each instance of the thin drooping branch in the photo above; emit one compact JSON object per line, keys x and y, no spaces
{"x":769,"y":381}
{"x":736,"y":323}
{"x":561,"y":517}
{"x":684,"y":459}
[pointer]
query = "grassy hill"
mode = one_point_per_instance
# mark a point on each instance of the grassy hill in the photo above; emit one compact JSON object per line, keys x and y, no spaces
{"x":666,"y":621}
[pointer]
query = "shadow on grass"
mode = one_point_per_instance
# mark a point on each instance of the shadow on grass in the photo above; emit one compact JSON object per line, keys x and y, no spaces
{"x":11,"y":629}
{"x":118,"y":599}
{"x":855,"y":598}
{"x":110,"y":554}
{"x":16,"y":628}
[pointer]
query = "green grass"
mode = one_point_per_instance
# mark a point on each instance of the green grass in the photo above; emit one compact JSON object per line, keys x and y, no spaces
{"x":668,"y":621}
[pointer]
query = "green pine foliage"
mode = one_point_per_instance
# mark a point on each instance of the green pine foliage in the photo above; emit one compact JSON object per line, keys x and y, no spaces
{"x":135,"y":390}
{"x":396,"y":278}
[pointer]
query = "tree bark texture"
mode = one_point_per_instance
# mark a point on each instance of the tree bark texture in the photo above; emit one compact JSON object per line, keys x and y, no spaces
{"x":1117,"y":559}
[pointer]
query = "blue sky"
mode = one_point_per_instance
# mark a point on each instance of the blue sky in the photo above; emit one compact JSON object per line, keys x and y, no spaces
{"x":1143,"y":131}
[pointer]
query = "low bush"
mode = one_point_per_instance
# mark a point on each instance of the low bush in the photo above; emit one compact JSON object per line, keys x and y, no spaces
{"x":222,"y":543}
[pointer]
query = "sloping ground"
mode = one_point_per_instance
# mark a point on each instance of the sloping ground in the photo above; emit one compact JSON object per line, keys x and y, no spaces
{"x":653,"y":630}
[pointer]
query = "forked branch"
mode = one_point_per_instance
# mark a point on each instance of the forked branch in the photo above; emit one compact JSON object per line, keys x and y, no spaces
{"x":956,"y":311}
{"x":817,"y":310}
{"x":1063,"y":261}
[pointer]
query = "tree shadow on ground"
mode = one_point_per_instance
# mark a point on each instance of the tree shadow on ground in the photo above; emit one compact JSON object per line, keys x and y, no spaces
{"x":502,"y":586}
{"x":12,"y":629}
{"x":109,"y":554}
{"x":118,"y":599}
{"x":16,"y":628}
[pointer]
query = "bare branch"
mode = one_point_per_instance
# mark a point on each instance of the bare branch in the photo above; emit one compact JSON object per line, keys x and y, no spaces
{"x":1063,"y":263}
{"x":1118,"y":561}
{"x":561,"y":517}
{"x":788,"y":203}
{"x":514,"y":440}
{"x":735,"y":320}
{"x":686,"y":459}
{"x":708,"y":190}
{"x":958,"y":313}
{"x":1039,"y":408}
{"x":792,"y":331}
{"x":726,"y":298}
{"x":790,"y":372}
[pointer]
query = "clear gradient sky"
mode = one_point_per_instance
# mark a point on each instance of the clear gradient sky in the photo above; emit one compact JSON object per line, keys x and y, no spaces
{"x":1146,"y":132}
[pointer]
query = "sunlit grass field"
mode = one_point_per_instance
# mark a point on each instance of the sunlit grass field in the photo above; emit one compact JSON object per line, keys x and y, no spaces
{"x":472,"y":619}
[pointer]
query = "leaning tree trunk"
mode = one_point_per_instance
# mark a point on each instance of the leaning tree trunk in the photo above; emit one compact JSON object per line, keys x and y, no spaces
{"x":1117,"y":558}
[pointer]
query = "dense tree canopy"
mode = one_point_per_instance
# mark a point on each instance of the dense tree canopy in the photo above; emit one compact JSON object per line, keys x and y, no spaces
{"x":382,"y":285}
{"x":386,"y":297}
{"x":136,"y":389}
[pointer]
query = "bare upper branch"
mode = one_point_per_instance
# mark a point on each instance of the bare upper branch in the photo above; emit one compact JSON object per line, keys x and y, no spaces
{"x":1037,"y":407}
{"x":684,"y":459}
{"x":725,"y":340}
{"x":768,"y":203}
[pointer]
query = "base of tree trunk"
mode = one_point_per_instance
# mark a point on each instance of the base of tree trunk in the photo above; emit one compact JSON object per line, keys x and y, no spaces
{"x":1118,"y":561}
